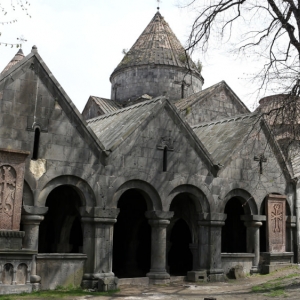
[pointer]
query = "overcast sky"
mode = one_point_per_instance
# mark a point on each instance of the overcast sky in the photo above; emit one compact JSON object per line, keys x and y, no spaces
{"x":82,"y":41}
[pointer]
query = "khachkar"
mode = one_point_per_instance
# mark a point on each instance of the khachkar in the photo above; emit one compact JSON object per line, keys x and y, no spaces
{"x":276,"y":256}
{"x":15,"y":263}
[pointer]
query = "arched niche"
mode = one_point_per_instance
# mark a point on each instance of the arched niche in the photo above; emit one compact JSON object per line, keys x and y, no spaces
{"x":83,"y":189}
{"x":148,"y":192}
{"x":199,"y":198}
{"x":7,"y":274}
{"x":132,"y":236}
{"x":21,"y":274}
{"x":61,"y":231}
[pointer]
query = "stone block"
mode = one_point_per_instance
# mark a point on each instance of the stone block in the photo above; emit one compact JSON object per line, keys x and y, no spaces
{"x":108,"y":284}
{"x":197,"y":276}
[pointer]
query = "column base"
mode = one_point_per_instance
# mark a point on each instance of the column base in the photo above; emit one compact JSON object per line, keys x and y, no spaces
{"x":254,"y":270}
{"x":216,"y":275}
{"x":197,"y":276}
{"x":158,"y":277}
{"x":100,"y":281}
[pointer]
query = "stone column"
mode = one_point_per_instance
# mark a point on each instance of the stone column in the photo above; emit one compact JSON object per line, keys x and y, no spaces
{"x":210,"y":232}
{"x":31,"y":218}
{"x":253,"y":223}
{"x":97,"y":245}
{"x":158,"y":220}
{"x":290,"y":228}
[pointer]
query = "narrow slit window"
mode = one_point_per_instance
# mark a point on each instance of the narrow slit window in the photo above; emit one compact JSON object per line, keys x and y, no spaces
{"x":36,"y":144}
{"x":165,"y":159}
{"x":182,"y":90}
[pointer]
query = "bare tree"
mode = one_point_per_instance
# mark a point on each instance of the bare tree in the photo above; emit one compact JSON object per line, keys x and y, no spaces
{"x":8,"y":8}
{"x":268,"y":29}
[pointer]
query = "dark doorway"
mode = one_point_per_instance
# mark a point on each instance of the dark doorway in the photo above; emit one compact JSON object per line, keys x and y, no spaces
{"x":60,"y":231}
{"x":132,"y":237}
{"x":234,"y":232}
{"x":263,"y":230}
{"x":180,"y":258}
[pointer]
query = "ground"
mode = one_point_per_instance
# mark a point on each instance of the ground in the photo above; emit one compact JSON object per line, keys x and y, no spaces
{"x":278,"y":285}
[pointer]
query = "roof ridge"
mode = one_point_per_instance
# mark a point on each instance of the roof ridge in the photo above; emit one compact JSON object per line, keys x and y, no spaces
{"x":226,"y":120}
{"x":124,"y":109}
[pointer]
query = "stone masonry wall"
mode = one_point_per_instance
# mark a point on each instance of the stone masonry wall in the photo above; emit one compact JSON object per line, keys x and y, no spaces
{"x":153,"y":80}
{"x":217,"y":106}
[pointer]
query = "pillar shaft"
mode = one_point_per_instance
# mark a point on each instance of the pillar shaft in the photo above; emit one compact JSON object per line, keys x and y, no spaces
{"x":158,"y":221}
{"x":253,"y":245}
{"x":97,"y":245}
{"x":31,"y":225}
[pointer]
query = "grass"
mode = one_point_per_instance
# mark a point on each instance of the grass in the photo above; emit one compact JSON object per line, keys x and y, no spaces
{"x":58,"y":293}
{"x":275,"y":287}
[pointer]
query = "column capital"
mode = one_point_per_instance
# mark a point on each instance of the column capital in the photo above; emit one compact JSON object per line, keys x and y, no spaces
{"x":212,"y":219}
{"x":159,"y":215}
{"x":34,"y":210}
{"x":32,"y":219}
{"x":250,"y":218}
{"x":98,"y":220}
{"x":99,"y":212}
{"x":253,"y":223}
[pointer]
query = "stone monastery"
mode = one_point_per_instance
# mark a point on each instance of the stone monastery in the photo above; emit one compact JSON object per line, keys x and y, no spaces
{"x":163,"y":179}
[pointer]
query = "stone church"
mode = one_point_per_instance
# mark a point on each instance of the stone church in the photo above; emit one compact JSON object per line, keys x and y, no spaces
{"x":164,"y":179}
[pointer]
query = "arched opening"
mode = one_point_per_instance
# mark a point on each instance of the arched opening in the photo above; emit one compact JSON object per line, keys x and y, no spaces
{"x":60,"y":231}
{"x":36,"y":143}
{"x":234,"y":232}
{"x":132,"y":237}
{"x":180,"y":258}
{"x":179,"y":235}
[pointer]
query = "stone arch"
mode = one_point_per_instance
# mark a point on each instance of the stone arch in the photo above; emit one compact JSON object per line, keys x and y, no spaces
{"x":28,"y":198}
{"x":147,"y":190}
{"x":202,"y":205}
{"x":83,"y":189}
{"x":247,"y":200}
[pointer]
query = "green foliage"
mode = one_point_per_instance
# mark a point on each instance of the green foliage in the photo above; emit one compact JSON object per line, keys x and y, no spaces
{"x":59,"y":293}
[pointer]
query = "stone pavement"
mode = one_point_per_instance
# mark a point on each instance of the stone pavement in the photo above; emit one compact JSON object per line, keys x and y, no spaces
{"x":232,"y":289}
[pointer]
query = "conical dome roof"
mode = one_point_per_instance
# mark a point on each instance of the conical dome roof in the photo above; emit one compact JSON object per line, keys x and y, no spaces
{"x":19,"y":56}
{"x":156,"y":45}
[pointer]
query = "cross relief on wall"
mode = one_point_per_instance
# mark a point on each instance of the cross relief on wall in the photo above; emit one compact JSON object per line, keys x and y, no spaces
{"x":7,"y":195}
{"x":276,"y":216}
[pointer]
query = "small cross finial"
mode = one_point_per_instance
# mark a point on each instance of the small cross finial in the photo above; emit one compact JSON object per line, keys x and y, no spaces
{"x":158,"y":2}
{"x":22,"y":40}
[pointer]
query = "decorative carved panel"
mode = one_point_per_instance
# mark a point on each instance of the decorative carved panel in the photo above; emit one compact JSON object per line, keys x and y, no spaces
{"x":12,"y":169}
{"x":275,"y":208}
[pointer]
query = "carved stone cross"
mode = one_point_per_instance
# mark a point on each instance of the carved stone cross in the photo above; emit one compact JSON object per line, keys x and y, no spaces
{"x":276,"y":216}
{"x":261,"y":159}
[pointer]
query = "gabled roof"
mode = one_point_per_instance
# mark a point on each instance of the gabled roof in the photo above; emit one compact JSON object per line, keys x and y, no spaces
{"x":19,"y":56}
{"x":114,"y":128}
{"x":182,"y":104}
{"x":34,"y":60}
{"x":105,"y":105}
{"x":156,"y":45}
{"x":222,"y":137}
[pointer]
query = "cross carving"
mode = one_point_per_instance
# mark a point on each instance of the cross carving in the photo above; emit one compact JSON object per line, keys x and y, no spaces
{"x":166,"y":142}
{"x":276,"y":215}
{"x":261,"y":159}
{"x":6,"y":194}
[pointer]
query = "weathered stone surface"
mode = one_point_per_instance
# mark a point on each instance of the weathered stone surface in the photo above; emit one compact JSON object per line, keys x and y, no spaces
{"x":12,"y":169}
{"x":275,"y":208}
